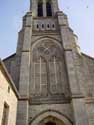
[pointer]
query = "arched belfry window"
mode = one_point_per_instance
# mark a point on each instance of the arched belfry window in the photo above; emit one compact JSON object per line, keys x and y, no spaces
{"x":48,"y":8}
{"x":40,"y":8}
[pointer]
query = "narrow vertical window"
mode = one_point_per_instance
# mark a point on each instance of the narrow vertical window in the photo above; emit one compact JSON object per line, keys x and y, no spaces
{"x":53,"y":75}
{"x":43,"y":76}
{"x":55,"y":71}
{"x":39,"y":76}
{"x":5,"y":115}
{"x":48,"y":8}
{"x":40,"y":8}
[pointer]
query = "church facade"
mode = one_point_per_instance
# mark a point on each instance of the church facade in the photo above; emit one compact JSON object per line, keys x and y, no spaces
{"x":54,"y":78}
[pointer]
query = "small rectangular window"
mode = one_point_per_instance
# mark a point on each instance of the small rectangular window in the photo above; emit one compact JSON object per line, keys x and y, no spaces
{"x":5,"y":115}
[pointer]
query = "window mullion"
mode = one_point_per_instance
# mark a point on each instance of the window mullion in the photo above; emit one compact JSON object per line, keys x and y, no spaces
{"x":55,"y":71}
{"x":34,"y":77}
{"x":40,"y":76}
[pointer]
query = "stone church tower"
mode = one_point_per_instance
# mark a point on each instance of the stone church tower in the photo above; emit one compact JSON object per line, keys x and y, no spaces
{"x":55,"y":80}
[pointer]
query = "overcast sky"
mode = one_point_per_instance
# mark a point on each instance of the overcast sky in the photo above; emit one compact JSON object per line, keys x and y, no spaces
{"x":80,"y":14}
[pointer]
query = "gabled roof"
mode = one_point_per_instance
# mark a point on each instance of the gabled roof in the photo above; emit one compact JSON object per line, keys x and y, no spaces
{"x":11,"y":56}
{"x":88,"y":56}
{"x":8,"y":77}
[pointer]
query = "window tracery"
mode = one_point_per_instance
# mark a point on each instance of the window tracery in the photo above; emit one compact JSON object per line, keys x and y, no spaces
{"x":47,"y":68}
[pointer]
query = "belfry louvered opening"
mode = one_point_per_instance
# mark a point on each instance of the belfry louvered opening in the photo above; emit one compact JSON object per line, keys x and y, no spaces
{"x":48,"y":8}
{"x":40,"y":8}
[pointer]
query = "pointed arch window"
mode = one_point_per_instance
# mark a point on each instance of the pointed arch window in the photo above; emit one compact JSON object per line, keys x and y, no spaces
{"x":48,"y":8}
{"x":40,"y":8}
{"x":55,"y":67}
{"x":46,"y":69}
{"x":39,"y":76}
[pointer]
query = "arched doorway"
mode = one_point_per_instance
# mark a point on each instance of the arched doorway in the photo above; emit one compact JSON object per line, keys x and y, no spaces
{"x":51,"y":121}
{"x":50,"y":117}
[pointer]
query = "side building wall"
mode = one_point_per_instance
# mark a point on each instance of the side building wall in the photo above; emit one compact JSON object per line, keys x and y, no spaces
{"x":85,"y":73}
{"x":8,"y":97}
{"x":89,"y":86}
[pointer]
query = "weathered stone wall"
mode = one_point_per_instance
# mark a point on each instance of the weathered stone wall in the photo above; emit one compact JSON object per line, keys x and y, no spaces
{"x":12,"y":64}
{"x":85,"y":74}
{"x":88,"y":67}
{"x":88,"y":86}
{"x":85,"y":71}
{"x":8,"y":62}
{"x":90,"y":109}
